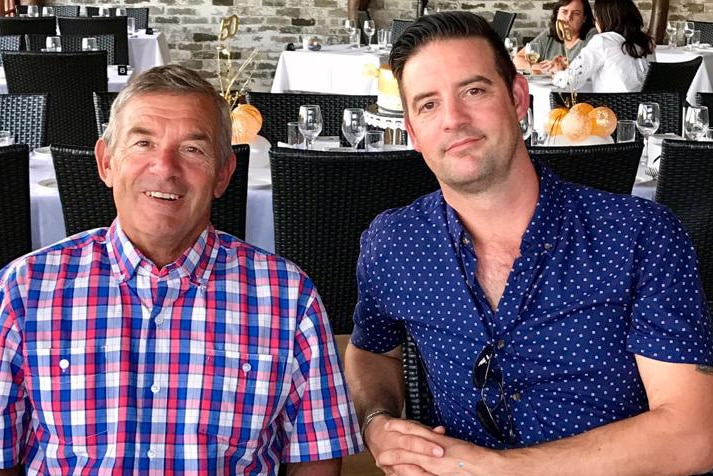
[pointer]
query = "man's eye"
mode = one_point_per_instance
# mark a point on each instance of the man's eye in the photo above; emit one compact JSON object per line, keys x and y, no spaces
{"x":474,"y":91}
{"x":427,"y":106}
{"x":142,"y":143}
{"x":191,"y":149}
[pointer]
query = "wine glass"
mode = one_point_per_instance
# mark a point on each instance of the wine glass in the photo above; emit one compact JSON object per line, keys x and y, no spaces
{"x":310,"y":123}
{"x":671,"y":31}
{"x":369,"y":29}
{"x":526,"y":125}
{"x":648,"y":120}
{"x":89,"y":44}
{"x":511,"y":45}
{"x":695,"y":124}
{"x":532,"y":53}
{"x":688,"y":29}
{"x":350,"y":27}
{"x":354,"y":126}
{"x":53,"y":44}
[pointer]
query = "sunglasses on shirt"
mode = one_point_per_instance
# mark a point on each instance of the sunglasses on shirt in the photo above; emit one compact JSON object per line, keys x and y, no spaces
{"x":486,"y":373}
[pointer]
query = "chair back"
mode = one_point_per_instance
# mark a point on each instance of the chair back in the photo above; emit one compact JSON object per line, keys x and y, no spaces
{"x":626,"y":105}
{"x":26,"y":116}
{"x":676,"y":77}
{"x":66,"y":10}
{"x":9,"y":43}
{"x":102,"y":107}
{"x":104,"y":43}
{"x":397,"y":28}
{"x":40,"y":26}
{"x":502,"y":23}
{"x":140,"y":16}
{"x":705,"y":99}
{"x":69,"y":80}
{"x":86,"y":200}
{"x":684,"y":186}
{"x":323,"y":201}
{"x":418,"y":397}
{"x":93,"y":26}
{"x":706,"y":29}
{"x":278,"y":109}
{"x":15,"y":221}
{"x":228,"y":211}
{"x":609,"y":167}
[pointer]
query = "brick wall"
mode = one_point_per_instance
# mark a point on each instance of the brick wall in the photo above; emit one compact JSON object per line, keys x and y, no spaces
{"x":191,"y":26}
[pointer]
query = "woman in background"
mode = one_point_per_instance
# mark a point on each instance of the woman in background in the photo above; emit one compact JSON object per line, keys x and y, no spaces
{"x":578,"y":16}
{"x":616,"y":59}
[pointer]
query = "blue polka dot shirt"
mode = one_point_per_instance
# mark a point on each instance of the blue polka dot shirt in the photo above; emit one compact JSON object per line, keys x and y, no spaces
{"x":600,"y":278}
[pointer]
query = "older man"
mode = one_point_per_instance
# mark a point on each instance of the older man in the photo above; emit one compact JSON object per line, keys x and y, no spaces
{"x":563,"y":330}
{"x":160,"y":345}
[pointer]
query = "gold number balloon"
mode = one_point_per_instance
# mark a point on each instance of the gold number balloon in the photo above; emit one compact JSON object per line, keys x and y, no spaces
{"x":228,"y":27}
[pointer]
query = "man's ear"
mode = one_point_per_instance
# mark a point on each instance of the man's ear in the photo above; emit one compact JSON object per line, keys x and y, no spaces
{"x":411,"y":136}
{"x":225,"y":173}
{"x":103,"y":158}
{"x":521,"y":95}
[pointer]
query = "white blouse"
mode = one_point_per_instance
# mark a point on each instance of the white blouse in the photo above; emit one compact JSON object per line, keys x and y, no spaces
{"x":610,"y":69}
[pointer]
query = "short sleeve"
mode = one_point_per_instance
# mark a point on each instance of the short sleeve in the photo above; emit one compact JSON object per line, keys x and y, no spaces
{"x":670,"y":317}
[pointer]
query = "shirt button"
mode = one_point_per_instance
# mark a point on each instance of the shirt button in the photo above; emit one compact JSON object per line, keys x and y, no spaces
{"x":247,"y":367}
{"x":151,"y":453}
{"x":159,"y":320}
{"x":64,"y":364}
{"x":155,"y":388}
{"x":516,"y":396}
{"x":501,"y":344}
{"x":465,"y":241}
{"x":548,"y":246}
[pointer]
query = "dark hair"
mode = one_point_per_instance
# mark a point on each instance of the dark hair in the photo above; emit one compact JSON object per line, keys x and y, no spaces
{"x":449,"y":26}
{"x":622,"y":16}
{"x":586,"y":26}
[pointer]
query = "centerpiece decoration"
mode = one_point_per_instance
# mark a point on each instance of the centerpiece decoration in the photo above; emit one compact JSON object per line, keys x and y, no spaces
{"x":578,"y":123}
{"x":246,"y":118}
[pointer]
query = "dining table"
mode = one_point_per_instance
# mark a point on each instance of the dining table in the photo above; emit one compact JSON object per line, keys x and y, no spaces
{"x":116,"y":82}
{"x":703,"y":80}
{"x":147,"y":51}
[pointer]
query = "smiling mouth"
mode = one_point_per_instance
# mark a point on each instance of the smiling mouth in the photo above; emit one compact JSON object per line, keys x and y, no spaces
{"x":461,"y":143}
{"x":163,"y":195}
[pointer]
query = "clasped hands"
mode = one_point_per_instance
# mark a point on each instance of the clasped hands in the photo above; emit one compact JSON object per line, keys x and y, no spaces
{"x":558,"y":63}
{"x":405,"y":448}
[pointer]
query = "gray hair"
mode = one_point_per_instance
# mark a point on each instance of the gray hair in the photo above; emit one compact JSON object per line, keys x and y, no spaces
{"x":174,"y":79}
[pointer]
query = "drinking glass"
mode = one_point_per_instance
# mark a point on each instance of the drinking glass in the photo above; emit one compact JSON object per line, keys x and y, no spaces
{"x":696,"y":39}
{"x":511,"y":45}
{"x":47,"y":11}
{"x":648,"y":119}
{"x":688,"y":29}
{"x":526,"y":125}
{"x":671,"y":31}
{"x":354,"y":126}
{"x":384,"y":38}
{"x":33,"y":11}
{"x":310,"y":123}
{"x":355,"y":38}
{"x":374,"y":141}
{"x":121,"y":12}
{"x":7,"y":138}
{"x":89,"y":44}
{"x":53,"y":44}
{"x":532,"y":53}
{"x":626,"y":131}
{"x":695,"y":124}
{"x":369,"y":30}
{"x":294,"y":137}
{"x":350,"y":27}
{"x":131,"y":26}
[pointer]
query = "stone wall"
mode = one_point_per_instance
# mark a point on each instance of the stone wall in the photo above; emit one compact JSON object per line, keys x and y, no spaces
{"x":191,"y":26}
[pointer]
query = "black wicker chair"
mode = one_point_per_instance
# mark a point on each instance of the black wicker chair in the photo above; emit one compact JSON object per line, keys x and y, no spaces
{"x":69,"y":79}
{"x":104,"y":43}
{"x":676,"y":77}
{"x":140,"y":16}
{"x":38,"y":26}
{"x":397,"y":28}
{"x":706,"y":29}
{"x":418,"y":397}
{"x":9,"y":43}
{"x":26,"y":116}
{"x":626,"y":105}
{"x":115,"y":26}
{"x":502,"y":23}
{"x":86,"y":201}
{"x":102,"y":107}
{"x":705,"y":99}
{"x":228,"y":211}
{"x":684,"y":185}
{"x":15,"y":222}
{"x":323,"y":201}
{"x":279,"y":109}
{"x":66,"y":10}
{"x":609,"y":167}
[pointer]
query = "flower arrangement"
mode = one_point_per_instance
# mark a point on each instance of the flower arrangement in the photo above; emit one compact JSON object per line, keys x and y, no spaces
{"x":246,"y":119}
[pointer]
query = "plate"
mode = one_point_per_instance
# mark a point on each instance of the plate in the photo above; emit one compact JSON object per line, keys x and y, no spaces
{"x":48,"y":182}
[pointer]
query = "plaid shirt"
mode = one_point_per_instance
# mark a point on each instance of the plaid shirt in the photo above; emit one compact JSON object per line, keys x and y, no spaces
{"x":222,"y":362}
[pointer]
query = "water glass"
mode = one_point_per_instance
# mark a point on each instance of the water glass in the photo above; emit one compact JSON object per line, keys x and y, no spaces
{"x":354,"y":38}
{"x":384,"y":37}
{"x":354,"y":125}
{"x":695,"y":124}
{"x":53,"y":44}
{"x":696,"y":39}
{"x":33,"y":11}
{"x":688,"y":29}
{"x":89,"y":44}
{"x":626,"y":131}
{"x":131,"y":26}
{"x":310,"y":123}
{"x":47,"y":11}
{"x":121,"y":12}
{"x":7,"y":138}
{"x":672,"y":32}
{"x":539,"y":137}
{"x":104,"y":12}
{"x":374,"y":141}
{"x":350,"y":27}
{"x":511,"y":45}
{"x":294,"y":136}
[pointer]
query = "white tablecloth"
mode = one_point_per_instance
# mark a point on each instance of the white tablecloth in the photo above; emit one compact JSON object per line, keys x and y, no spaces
{"x":147,"y":51}
{"x":335,"y":69}
{"x":702,"y":82}
{"x":48,"y":220}
{"x":116,"y":83}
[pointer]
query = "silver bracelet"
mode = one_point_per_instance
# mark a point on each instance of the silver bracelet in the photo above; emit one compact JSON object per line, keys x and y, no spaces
{"x":370,"y":418}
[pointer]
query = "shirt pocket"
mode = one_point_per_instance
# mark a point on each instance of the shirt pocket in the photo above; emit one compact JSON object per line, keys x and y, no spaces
{"x":75,"y":394}
{"x":242,"y":395}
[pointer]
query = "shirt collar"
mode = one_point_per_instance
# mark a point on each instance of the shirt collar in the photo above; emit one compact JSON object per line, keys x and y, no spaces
{"x":196,"y":262}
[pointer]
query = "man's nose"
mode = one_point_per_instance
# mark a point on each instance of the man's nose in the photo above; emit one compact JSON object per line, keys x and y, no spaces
{"x":455,"y":113}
